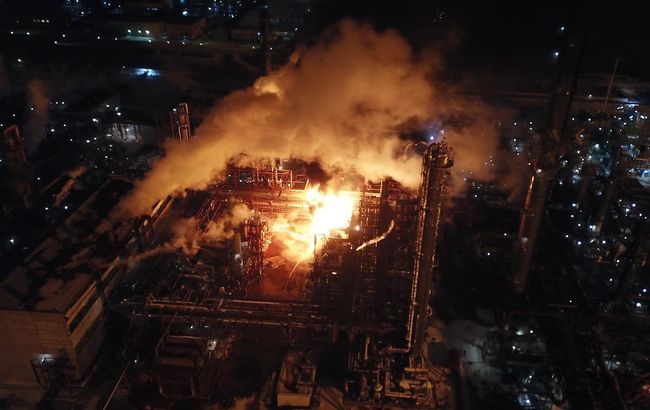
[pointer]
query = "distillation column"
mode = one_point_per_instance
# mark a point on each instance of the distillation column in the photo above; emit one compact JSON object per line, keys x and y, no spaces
{"x":435,"y":165}
{"x":547,"y":157}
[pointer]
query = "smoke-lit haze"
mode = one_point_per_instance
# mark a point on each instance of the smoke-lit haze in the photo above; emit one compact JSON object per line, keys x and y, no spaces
{"x":342,"y":103}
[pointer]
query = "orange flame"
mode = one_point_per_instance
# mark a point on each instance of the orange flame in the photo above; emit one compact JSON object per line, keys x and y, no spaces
{"x":331,"y":213}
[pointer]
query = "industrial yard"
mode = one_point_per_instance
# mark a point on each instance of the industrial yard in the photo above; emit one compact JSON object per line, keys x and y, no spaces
{"x":321,"y":205}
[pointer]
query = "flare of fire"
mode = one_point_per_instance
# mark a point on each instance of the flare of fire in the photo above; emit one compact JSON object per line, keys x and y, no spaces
{"x":331,"y":213}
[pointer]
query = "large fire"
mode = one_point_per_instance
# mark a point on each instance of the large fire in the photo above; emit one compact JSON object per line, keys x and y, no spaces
{"x":331,"y":213}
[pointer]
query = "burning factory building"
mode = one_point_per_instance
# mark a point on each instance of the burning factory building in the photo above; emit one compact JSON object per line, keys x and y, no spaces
{"x":299,"y":224}
{"x":267,"y":251}
{"x":290,"y":237}
{"x":269,"y":204}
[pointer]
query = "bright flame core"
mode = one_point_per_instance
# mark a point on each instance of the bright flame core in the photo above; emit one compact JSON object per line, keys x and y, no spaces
{"x":331,"y":213}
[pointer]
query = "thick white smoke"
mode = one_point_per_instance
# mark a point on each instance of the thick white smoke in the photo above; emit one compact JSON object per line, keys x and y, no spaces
{"x":341,"y":102}
{"x":187,"y":238}
{"x":224,"y":227}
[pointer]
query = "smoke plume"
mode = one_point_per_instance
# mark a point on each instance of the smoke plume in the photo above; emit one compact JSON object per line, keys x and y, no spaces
{"x":224,"y":228}
{"x":38,"y":113}
{"x":187,"y":237}
{"x":342,"y":103}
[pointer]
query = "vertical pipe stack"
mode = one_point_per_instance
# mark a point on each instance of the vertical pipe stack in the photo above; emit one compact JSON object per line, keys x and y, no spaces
{"x":546,"y":163}
{"x":437,"y":160}
{"x":180,"y":122}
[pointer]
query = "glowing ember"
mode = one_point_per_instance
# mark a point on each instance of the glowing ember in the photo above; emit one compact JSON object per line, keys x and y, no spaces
{"x":331,"y":213}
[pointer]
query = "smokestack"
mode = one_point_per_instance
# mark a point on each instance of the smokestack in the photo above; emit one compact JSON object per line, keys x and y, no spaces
{"x":265,"y":29}
{"x":18,"y":181}
{"x":546,"y":163}
{"x":435,"y":165}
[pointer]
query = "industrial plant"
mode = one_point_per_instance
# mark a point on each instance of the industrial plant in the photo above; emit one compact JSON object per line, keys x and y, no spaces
{"x":290,"y":204}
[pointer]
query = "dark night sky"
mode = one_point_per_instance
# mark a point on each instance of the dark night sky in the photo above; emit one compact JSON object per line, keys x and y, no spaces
{"x":508,"y":38}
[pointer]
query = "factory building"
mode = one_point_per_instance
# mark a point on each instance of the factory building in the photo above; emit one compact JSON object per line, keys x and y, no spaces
{"x":53,"y":306}
{"x":368,"y":288}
